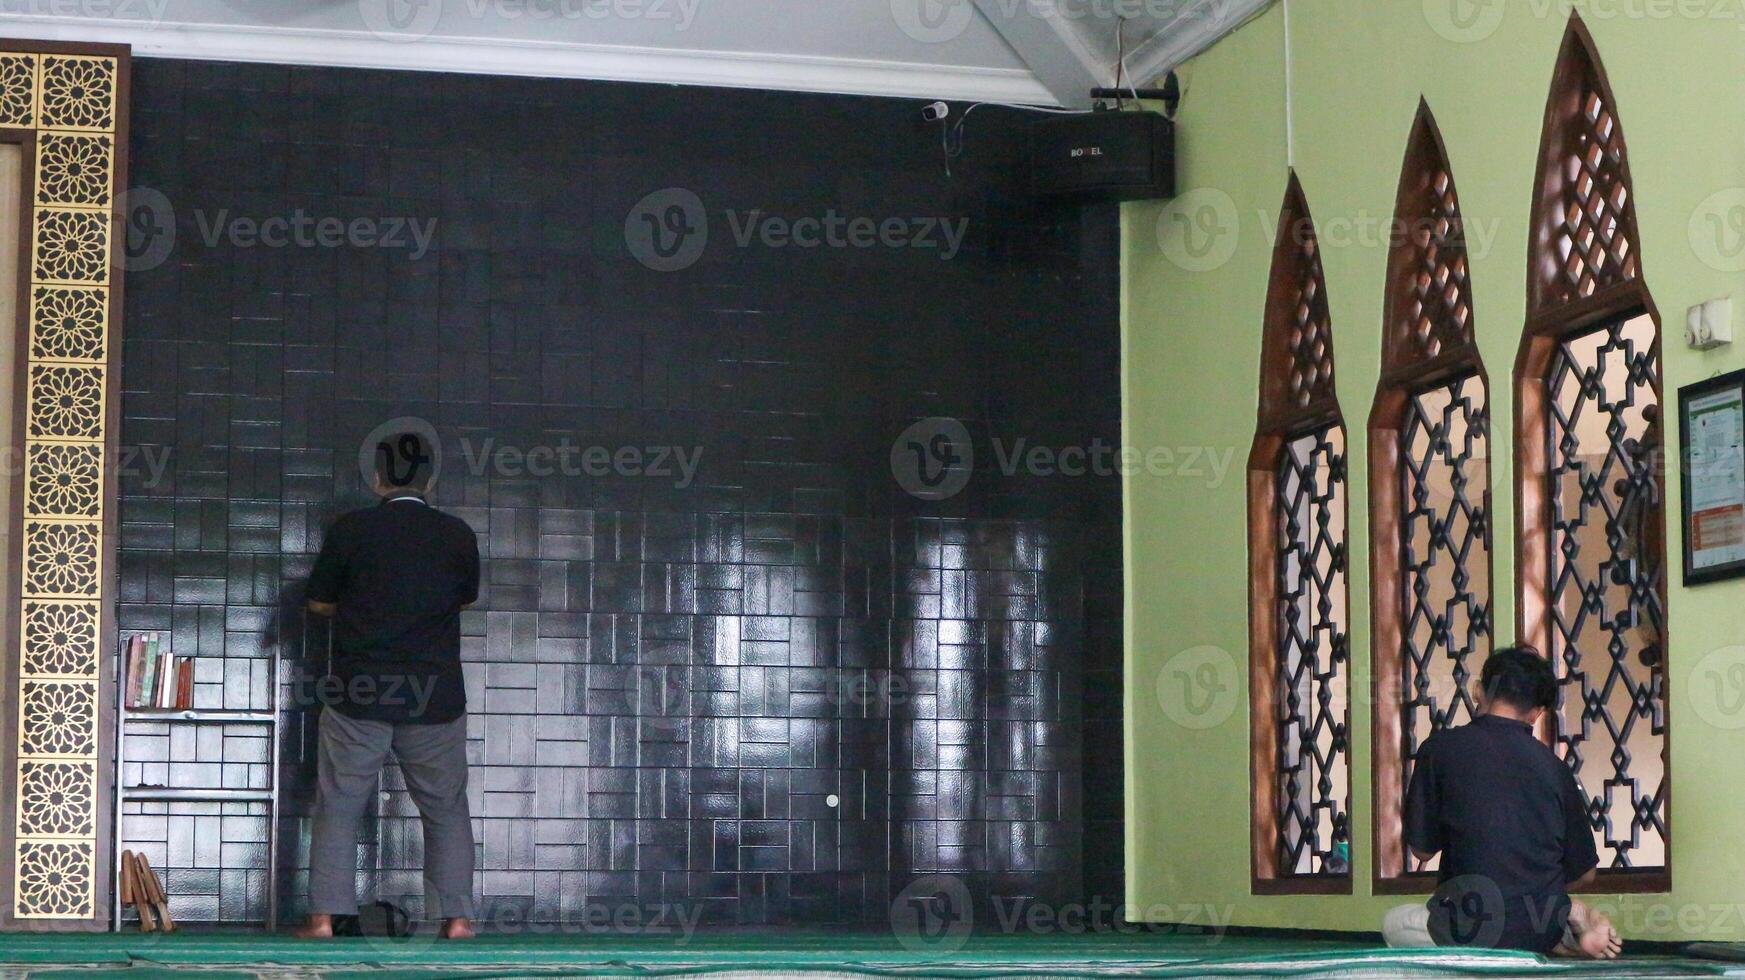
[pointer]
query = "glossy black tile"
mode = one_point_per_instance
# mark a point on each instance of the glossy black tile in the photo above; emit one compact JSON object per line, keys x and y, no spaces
{"x":754,"y":678}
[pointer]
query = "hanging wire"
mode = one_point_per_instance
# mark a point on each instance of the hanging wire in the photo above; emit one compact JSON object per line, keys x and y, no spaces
{"x":1121,"y":64}
{"x":1290,"y":121}
{"x":951,"y":133}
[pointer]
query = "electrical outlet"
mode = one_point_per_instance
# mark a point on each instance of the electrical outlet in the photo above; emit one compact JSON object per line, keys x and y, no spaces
{"x":1709,"y":325}
{"x":1718,"y":320}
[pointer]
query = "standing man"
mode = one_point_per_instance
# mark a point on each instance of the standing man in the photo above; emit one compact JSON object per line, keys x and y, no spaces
{"x":1511,"y":824}
{"x":395,"y":578}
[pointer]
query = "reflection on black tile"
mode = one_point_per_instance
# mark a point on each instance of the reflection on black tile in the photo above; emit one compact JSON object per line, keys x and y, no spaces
{"x":212,"y":857}
{"x":773,"y":690}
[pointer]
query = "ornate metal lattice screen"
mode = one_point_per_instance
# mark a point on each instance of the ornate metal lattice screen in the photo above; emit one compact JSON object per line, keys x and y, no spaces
{"x":1438,"y":316}
{"x":1310,"y":378}
{"x":1606,"y":588}
{"x":1593,"y":240}
{"x":1313,"y":715}
{"x":69,"y":105}
{"x":1584,"y":228}
{"x":1444,"y":561}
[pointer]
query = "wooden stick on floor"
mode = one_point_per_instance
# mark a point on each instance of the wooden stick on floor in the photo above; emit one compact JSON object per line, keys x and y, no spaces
{"x":154,"y":891}
{"x":133,"y":893}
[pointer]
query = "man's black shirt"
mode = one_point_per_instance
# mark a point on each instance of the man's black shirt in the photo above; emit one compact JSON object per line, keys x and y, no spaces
{"x":400,"y":572}
{"x":1499,"y":805}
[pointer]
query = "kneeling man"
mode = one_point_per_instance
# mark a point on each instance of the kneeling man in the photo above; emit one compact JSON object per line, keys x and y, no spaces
{"x":1510,"y":822}
{"x":395,"y":578}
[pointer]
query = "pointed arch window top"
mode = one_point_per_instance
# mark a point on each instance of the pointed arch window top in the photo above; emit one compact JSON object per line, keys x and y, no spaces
{"x":1429,"y":313}
{"x":1296,"y":379}
{"x":1585,"y":222}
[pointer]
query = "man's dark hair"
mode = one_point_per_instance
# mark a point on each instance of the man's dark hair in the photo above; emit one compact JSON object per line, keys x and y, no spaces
{"x":405,"y":461}
{"x":1521,"y":677}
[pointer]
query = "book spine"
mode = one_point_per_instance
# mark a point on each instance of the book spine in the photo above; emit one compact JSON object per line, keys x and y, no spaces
{"x":185,"y":683}
{"x":148,"y":686}
{"x":135,"y":668}
{"x":166,"y":670}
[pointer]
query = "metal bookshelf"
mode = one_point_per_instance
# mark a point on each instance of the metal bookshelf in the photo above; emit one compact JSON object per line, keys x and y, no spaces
{"x":130,"y":719}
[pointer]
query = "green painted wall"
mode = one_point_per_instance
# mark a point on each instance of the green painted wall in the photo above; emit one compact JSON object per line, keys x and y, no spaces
{"x":1194,"y":287}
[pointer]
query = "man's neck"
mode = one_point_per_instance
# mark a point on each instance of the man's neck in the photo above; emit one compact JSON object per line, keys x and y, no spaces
{"x":1511,"y":713}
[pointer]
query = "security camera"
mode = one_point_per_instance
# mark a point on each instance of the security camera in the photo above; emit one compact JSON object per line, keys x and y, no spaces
{"x":935,"y":111}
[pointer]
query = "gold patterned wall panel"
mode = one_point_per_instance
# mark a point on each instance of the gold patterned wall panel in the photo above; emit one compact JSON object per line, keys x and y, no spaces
{"x":57,"y":878}
{"x":68,"y":323}
{"x":18,"y":90}
{"x":55,"y":799}
{"x":72,"y":102}
{"x":60,"y":638}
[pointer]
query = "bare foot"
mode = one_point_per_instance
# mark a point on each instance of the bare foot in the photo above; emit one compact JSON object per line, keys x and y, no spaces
{"x":1601,"y":941}
{"x":1595,"y":937}
{"x":317,"y":927}
{"x":459,"y":927}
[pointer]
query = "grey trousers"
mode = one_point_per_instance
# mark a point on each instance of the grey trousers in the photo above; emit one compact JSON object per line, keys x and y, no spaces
{"x":1407,"y":926}
{"x":433,"y":759}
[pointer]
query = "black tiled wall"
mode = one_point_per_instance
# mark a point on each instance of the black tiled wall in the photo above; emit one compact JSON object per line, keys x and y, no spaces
{"x":668,"y":683}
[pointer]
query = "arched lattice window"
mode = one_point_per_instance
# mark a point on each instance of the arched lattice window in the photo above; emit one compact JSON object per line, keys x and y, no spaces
{"x":1592,"y":544}
{"x":1299,"y":654}
{"x":1430,"y":514}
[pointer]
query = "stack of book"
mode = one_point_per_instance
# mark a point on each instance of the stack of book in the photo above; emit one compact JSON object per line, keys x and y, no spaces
{"x":155,"y":678}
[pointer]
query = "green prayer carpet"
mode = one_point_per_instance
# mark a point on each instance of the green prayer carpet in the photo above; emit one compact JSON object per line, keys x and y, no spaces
{"x":221,"y":956}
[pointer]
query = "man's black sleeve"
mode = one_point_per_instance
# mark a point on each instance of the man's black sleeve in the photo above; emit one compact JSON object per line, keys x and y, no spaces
{"x":469,"y":542}
{"x":328,"y":578}
{"x":1423,"y":817}
{"x":1579,"y":854}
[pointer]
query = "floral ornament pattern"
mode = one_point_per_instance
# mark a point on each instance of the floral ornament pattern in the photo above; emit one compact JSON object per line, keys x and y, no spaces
{"x":18,"y":90}
{"x":72,"y":102}
{"x":55,"y":879}
{"x":78,"y":92}
{"x":60,"y":638}
{"x":73,"y":169}
{"x":60,"y":718}
{"x":66,"y":402}
{"x":68,"y":323}
{"x":64,"y":480}
{"x":54,"y":799}
{"x":60,"y":559}
{"x":72,"y":246}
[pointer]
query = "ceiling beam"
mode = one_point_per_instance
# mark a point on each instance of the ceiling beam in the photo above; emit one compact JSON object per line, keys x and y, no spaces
{"x":1072,"y":45}
{"x":1195,"y":29}
{"x":1061,"y":50}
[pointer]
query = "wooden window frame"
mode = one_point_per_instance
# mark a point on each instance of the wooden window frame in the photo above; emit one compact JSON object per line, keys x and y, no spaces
{"x":1408,"y":368}
{"x":1552,"y":317}
{"x":1282,"y":416}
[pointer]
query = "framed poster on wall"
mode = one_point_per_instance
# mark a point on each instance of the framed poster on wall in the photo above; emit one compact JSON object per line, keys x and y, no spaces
{"x":1712,"y":422}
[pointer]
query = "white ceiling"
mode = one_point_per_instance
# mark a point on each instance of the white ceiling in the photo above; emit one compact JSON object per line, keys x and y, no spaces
{"x":1033,"y":51}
